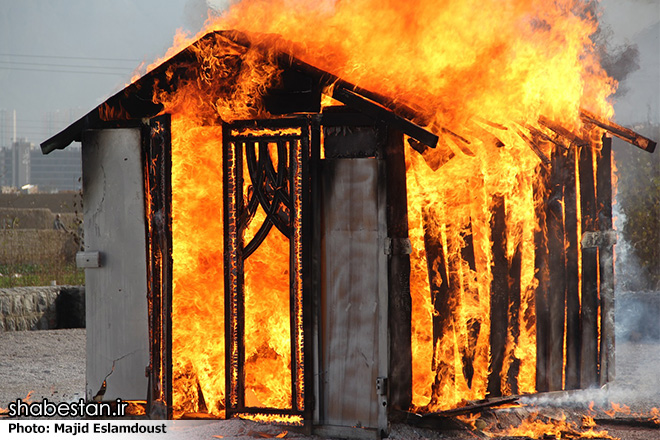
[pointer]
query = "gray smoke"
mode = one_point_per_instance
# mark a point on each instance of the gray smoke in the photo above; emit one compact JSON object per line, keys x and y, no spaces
{"x":618,"y":60}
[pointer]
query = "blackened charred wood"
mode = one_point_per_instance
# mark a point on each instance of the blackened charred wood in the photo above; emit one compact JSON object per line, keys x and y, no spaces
{"x":157,"y":145}
{"x":468,"y":349}
{"x":557,"y":270}
{"x":535,"y":148}
{"x":436,"y":423}
{"x":327,"y":79}
{"x":541,"y":264}
{"x":475,"y":407}
{"x":454,"y":135}
{"x":606,"y":260}
{"x":400,"y":300}
{"x":280,"y":51}
{"x":629,"y":421}
{"x":589,"y":292}
{"x":572,"y":137}
{"x":437,"y":269}
{"x":499,"y":296}
{"x":311,"y":303}
{"x":540,"y":135}
{"x":385,"y":115}
{"x":441,"y":292}
{"x":624,"y":133}
{"x":438,"y":279}
{"x":515,"y":270}
{"x":573,"y":339}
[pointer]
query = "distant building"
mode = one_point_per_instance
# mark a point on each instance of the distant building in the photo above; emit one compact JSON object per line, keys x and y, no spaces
{"x":24,"y":164}
{"x":6,"y":167}
{"x":21,"y":162}
{"x":6,"y":128}
{"x":59,"y":171}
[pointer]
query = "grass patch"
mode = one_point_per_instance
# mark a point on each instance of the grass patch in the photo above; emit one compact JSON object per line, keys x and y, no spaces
{"x":21,"y":275}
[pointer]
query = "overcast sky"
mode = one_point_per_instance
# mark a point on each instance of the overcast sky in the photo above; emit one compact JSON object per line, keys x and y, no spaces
{"x":73,"y":54}
{"x":70,"y":55}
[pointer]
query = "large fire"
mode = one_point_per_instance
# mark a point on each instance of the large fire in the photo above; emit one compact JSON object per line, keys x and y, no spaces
{"x":479,"y":74}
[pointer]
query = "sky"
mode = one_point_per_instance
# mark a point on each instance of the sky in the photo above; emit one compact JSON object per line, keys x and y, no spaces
{"x":637,"y":22}
{"x":70,"y":55}
{"x":60,"y":58}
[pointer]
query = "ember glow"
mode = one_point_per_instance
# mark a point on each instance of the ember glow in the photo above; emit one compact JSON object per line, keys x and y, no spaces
{"x":536,"y":426}
{"x":480,"y":75}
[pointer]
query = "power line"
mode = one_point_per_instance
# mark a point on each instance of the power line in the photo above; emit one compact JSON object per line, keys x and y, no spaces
{"x":64,"y":71}
{"x":69,"y":57}
{"x":11,"y":63}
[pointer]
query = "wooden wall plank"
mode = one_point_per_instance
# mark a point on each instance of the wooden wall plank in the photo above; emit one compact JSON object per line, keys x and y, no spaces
{"x":573,"y":340}
{"x":542,"y":275}
{"x":468,"y":350}
{"x":606,"y":261}
{"x":349,"y":281}
{"x":499,"y":296}
{"x":557,"y":267}
{"x":514,"y":275}
{"x":440,"y":293}
{"x":398,"y":277}
{"x":589,"y":291}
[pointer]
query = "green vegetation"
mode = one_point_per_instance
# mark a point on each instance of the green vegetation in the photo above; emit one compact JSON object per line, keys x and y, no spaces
{"x":19,"y":275}
{"x":638,"y":194}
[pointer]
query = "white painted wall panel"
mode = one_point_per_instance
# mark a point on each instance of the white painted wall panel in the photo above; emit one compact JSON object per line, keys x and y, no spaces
{"x":116,"y":292}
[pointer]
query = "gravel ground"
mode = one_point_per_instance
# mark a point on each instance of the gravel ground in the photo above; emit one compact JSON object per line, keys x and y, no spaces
{"x":50,"y":364}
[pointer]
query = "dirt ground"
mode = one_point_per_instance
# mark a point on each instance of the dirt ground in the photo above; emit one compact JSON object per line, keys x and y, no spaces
{"x":51,"y":364}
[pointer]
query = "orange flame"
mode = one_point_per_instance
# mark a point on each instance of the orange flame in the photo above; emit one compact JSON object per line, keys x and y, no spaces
{"x":535,"y":426}
{"x":486,"y":70}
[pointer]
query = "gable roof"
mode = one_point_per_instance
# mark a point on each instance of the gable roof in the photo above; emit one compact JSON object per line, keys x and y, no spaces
{"x":136,"y":102}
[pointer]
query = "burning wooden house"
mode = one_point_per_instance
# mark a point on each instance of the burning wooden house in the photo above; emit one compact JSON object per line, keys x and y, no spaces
{"x":267,"y":240}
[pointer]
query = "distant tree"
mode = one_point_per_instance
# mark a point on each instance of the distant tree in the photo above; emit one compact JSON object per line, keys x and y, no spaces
{"x":638,"y":197}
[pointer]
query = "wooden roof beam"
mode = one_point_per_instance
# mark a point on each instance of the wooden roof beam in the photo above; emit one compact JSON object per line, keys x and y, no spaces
{"x":624,"y":133}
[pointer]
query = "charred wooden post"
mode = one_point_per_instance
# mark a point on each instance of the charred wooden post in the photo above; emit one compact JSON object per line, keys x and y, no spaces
{"x":447,"y":281}
{"x":515,"y":268}
{"x":499,"y":297}
{"x":233,"y":263}
{"x":454,"y":272}
{"x":468,"y":350}
{"x":314,"y":300}
{"x":572,"y":276}
{"x":440,"y":291}
{"x":557,"y":268}
{"x":310,"y":154}
{"x":589,"y":292}
{"x":398,"y":276}
{"x":541,"y":264}
{"x":606,"y":260}
{"x":157,"y":146}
